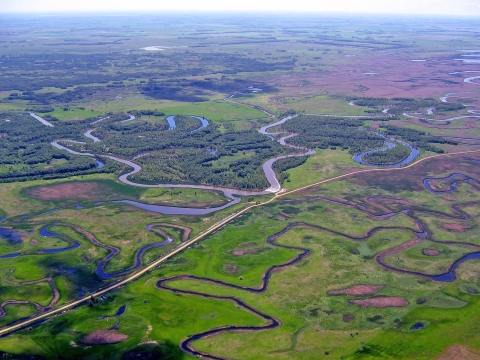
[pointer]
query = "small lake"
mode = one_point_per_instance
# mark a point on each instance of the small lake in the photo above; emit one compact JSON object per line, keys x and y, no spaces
{"x":121,"y":310}
{"x":11,"y":236}
{"x":417,"y":326}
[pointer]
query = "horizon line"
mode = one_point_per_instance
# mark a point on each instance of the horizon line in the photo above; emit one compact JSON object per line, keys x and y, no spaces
{"x":231,"y":12}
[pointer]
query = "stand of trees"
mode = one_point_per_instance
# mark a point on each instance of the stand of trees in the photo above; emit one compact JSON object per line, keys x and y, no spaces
{"x":322,"y":132}
{"x":282,"y":165}
{"x":399,"y":105}
{"x":77,"y":165}
{"x":390,"y":156}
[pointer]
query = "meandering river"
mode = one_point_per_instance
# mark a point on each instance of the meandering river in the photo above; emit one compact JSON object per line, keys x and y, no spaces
{"x":414,"y":152}
{"x":270,"y":175}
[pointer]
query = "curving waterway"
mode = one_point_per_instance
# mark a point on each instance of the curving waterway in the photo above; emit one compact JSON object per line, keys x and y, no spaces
{"x":46,"y":233}
{"x":274,"y":185}
{"x":414,"y":152}
{"x":271,"y":322}
{"x":453,"y":185}
{"x":173,"y":125}
{"x":100,"y":270}
{"x":89,"y":135}
{"x":267,"y":167}
{"x":138,"y":256}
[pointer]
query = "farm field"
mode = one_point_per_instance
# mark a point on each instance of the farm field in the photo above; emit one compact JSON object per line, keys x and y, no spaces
{"x":239,"y":187}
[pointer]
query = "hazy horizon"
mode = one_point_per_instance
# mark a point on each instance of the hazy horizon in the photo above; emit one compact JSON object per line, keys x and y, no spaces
{"x":420,"y":7}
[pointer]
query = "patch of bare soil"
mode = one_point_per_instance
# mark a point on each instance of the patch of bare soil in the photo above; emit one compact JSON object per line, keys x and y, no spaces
{"x":459,"y":352}
{"x":33,"y":242}
{"x":430,"y":252}
{"x":381,"y":302}
{"x":76,"y":190}
{"x":357,"y":290}
{"x":246,"y":251}
{"x":348,"y":317}
{"x":449,"y":198}
{"x":103,"y":337}
{"x":455,"y":227}
{"x":230,"y":269}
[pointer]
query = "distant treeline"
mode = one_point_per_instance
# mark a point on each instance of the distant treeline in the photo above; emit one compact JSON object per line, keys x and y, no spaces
{"x":146,"y":112}
{"x":30,"y":72}
{"x":399,"y":105}
{"x":419,"y":139}
{"x":170,"y":89}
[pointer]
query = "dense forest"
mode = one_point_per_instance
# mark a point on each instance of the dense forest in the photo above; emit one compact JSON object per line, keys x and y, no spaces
{"x":348,"y":134}
{"x":201,"y":167}
{"x":26,"y":153}
{"x":207,"y":156}
{"x":178,"y":155}
{"x":323,"y":133}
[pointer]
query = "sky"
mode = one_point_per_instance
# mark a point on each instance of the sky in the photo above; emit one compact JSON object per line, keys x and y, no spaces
{"x":441,"y":7}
